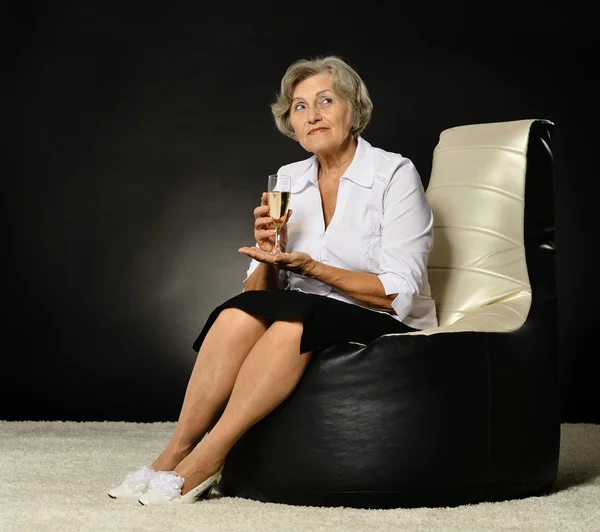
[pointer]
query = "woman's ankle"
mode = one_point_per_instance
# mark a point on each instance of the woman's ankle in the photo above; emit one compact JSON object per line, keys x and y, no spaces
{"x":169,"y":458}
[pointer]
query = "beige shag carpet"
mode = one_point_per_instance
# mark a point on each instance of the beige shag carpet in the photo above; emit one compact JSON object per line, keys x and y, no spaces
{"x":54,"y":477}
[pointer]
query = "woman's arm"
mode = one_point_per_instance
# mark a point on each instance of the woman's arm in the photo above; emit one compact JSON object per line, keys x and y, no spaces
{"x":264,"y":277}
{"x":366,"y":288}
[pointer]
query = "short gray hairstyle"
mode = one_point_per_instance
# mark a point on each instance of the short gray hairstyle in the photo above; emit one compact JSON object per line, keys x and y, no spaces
{"x":346,"y":83}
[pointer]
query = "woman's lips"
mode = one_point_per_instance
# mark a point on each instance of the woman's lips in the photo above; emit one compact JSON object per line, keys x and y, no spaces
{"x":320,"y":130}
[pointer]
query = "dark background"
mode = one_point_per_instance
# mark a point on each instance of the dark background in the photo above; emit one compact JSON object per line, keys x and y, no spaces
{"x":138,"y":141}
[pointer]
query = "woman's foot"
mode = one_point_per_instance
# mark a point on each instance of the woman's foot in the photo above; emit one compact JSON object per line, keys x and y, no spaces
{"x":198,"y":466}
{"x":192,"y":478}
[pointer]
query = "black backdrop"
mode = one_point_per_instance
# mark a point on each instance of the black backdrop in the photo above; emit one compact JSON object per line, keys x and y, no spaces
{"x":139,"y":141}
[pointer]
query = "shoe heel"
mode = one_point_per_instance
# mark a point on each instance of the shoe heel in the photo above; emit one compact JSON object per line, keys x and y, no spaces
{"x":206,"y":493}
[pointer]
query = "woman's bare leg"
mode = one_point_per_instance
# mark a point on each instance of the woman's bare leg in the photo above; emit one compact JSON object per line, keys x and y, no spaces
{"x":268,"y":375}
{"x":225,"y":347}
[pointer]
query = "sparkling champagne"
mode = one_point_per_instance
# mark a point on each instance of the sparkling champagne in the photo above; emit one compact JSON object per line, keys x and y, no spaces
{"x":278,"y":206}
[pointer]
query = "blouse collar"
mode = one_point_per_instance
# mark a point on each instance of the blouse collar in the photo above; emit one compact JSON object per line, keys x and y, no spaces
{"x":360,"y":171}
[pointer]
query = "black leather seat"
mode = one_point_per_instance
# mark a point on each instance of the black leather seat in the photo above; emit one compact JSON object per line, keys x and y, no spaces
{"x":462,"y":413}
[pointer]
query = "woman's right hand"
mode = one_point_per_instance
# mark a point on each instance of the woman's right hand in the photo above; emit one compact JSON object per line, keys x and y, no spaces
{"x":264,"y":228}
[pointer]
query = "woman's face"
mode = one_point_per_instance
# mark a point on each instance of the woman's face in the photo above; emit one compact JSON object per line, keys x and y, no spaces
{"x":321,"y":120}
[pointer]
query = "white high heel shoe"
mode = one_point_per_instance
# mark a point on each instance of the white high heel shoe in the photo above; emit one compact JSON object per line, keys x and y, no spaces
{"x":134,"y":485}
{"x":165,"y":487}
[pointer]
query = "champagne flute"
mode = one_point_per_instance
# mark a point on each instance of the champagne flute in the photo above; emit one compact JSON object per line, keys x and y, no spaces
{"x":279,"y":192}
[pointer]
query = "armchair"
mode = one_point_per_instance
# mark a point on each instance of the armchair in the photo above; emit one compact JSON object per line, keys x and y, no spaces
{"x":462,"y":413}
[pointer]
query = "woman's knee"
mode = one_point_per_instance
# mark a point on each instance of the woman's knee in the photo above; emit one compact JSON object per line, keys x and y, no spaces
{"x":286,"y":331}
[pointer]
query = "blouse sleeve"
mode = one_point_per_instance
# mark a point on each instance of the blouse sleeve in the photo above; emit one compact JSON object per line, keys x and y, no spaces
{"x":406,"y":237}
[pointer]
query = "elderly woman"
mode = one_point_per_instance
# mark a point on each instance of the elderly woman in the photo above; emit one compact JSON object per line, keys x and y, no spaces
{"x":355,"y":243}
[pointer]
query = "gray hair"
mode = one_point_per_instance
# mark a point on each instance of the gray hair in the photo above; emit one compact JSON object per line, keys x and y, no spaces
{"x":346,"y":83}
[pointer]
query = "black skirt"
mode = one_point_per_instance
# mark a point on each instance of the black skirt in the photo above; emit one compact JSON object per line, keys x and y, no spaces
{"x":326,"y":321}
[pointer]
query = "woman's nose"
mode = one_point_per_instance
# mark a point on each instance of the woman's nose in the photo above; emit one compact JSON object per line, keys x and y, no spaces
{"x":313,"y":114}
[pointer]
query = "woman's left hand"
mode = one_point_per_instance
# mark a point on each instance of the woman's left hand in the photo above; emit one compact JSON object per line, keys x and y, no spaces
{"x":296,"y":261}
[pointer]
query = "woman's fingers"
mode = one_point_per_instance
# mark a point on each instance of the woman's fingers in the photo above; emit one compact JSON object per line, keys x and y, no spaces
{"x":263,"y":234}
{"x":261,"y":210}
{"x":263,"y":230}
{"x":261,"y":222}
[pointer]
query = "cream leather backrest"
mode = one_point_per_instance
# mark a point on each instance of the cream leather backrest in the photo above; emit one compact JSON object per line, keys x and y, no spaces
{"x":477,"y":268}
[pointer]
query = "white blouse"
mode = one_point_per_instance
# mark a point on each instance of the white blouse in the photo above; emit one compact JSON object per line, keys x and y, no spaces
{"x":382,"y":224}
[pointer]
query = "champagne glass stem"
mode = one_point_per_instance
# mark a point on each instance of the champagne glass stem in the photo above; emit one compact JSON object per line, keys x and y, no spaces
{"x":277,"y":245}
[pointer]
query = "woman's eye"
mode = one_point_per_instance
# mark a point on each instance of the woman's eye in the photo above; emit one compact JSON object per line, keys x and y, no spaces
{"x":326,"y":100}
{"x":298,"y":106}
